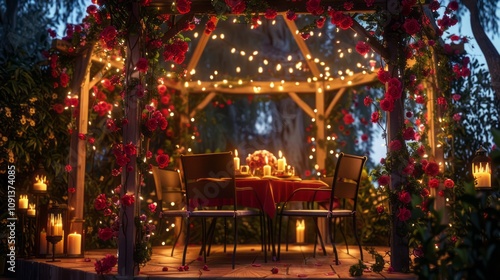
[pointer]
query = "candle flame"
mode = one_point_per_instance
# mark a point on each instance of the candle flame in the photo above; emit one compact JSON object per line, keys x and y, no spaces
{"x":235,"y":152}
{"x":280,"y":154}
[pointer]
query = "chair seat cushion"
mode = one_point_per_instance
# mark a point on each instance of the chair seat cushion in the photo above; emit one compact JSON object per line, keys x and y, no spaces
{"x":342,"y":213}
{"x":223,"y":213}
{"x":174,"y":213}
{"x":311,"y":213}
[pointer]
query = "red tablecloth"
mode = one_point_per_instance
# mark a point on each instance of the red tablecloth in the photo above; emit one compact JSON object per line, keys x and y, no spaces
{"x":269,"y":192}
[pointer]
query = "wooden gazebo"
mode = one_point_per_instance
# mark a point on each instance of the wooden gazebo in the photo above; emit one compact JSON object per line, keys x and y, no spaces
{"x":318,"y":83}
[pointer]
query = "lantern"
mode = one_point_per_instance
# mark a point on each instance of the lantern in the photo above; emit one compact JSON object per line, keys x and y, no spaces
{"x":54,"y":232}
{"x":481,"y":170}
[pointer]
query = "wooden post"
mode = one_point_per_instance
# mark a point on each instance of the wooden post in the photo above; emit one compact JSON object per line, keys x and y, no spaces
{"x":400,"y":259}
{"x":78,"y":148}
{"x":127,"y":268}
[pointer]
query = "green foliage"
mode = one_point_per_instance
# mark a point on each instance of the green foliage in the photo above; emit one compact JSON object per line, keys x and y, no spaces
{"x":357,"y":269}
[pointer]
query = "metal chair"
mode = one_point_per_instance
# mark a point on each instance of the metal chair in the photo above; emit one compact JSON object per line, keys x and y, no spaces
{"x":211,"y":193}
{"x":345,"y":185}
{"x":169,"y":189}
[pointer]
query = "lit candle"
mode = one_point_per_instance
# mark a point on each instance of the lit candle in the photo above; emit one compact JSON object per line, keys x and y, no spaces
{"x":40,"y":184}
{"x":23,"y":202}
{"x":236,"y":160}
{"x":43,"y":242}
{"x":482,"y":177}
{"x":281,"y":162}
{"x":299,"y":231}
{"x":31,"y":211}
{"x":74,"y":244}
{"x":267,"y":169}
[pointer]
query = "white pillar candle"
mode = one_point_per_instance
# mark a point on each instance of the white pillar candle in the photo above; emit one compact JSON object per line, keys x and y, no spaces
{"x":23,"y":202}
{"x":40,"y":184}
{"x":43,"y":242}
{"x":267,"y":170}
{"x":299,"y":231}
{"x":74,"y":244}
{"x":236,"y":160}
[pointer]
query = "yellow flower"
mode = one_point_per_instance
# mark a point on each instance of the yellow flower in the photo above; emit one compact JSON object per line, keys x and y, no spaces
{"x":32,"y":111}
{"x":54,"y":96}
{"x":33,"y":99}
{"x":32,"y":122}
{"x":23,"y":120}
{"x":4,"y":138}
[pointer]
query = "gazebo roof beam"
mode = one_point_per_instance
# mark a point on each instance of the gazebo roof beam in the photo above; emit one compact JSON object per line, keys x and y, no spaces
{"x":269,"y":87}
{"x":302,"y":46}
{"x":205,"y":6}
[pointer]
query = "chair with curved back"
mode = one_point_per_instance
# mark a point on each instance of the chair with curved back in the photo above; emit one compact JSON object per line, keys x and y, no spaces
{"x":171,"y":197}
{"x":344,"y":188}
{"x":211,"y":193}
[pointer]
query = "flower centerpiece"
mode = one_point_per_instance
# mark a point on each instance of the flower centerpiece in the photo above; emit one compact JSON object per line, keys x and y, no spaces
{"x":257,"y":160}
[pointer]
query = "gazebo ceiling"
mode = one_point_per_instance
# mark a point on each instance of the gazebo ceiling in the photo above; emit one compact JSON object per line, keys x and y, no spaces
{"x":206,"y":6}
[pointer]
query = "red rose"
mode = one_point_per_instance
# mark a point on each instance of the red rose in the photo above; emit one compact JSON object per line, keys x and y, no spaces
{"x":71,"y":190}
{"x":448,"y":183}
{"x":409,"y":134}
{"x":130,"y":149}
{"x":162,"y":89}
{"x":68,"y":168}
{"x":59,"y":108}
{"x":314,"y":7}
{"x":128,"y":199}
{"x":403,"y":214}
{"x":270,"y":14}
{"x":152,"y":207}
{"x":346,"y":22}
{"x":380,"y":209}
{"x":411,"y":26}
{"x":383,"y":76}
{"x":425,"y":192}
{"x":64,"y":79}
{"x":367,"y":101}
{"x":432,"y":169}
{"x":105,"y":234}
{"x":142,"y":65}
{"x":108,"y":34}
{"x":362,"y":48}
{"x":387,"y":104}
{"x":152,"y":124}
{"x":348,"y":119}
{"x":404,"y":197}
{"x":375,"y":117}
{"x":183,"y":6}
{"x":395,"y":145}
{"x":101,"y":202}
{"x":237,"y":6}
{"x":384,"y":180}
{"x":163,"y":160}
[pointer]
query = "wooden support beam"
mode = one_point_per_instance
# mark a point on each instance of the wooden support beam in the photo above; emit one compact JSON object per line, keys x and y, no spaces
{"x":303,"y":105}
{"x":200,"y":47}
{"x":371,"y":40}
{"x":320,"y":124}
{"x":202,"y":104}
{"x":303,"y":47}
{"x":334,"y":102}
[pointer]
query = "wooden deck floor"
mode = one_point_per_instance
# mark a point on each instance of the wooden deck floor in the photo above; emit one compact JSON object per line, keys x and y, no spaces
{"x":297,"y":263}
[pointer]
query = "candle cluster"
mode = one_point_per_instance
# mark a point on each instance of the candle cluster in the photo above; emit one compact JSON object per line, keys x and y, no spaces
{"x":482,"y":176}
{"x":55,"y":227}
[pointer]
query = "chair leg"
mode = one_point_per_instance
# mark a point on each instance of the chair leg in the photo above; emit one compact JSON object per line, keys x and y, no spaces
{"x":210,"y":234}
{"x":186,"y":242}
{"x":225,"y":234}
{"x":287,"y":234}
{"x":279,"y":237}
{"x":235,"y":240}
{"x":318,"y":233}
{"x":343,"y":234}
{"x":356,"y":235}
{"x":177,"y":239}
{"x":333,"y":243}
